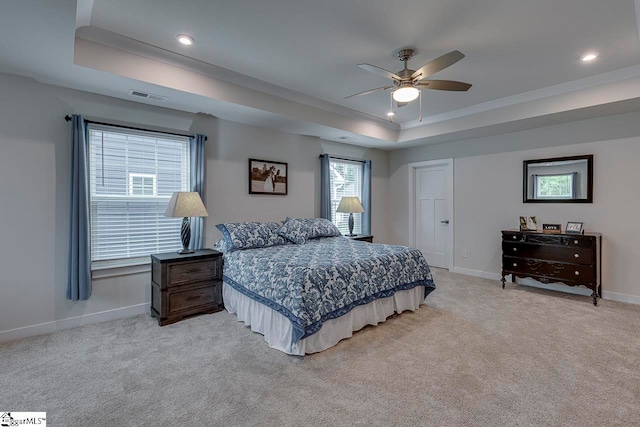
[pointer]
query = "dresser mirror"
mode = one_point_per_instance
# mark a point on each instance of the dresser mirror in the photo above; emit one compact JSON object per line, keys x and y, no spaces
{"x":559,"y":180}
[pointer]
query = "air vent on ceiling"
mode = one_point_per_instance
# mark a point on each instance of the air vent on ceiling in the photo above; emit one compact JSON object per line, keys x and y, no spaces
{"x":146,"y":95}
{"x":347,"y":138}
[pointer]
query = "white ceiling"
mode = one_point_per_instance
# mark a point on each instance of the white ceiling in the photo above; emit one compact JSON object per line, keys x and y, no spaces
{"x":289,"y":64}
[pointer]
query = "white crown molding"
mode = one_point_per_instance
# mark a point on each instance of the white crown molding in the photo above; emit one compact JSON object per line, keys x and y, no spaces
{"x":292,"y":106}
{"x":117,"y":41}
{"x":534,"y":95}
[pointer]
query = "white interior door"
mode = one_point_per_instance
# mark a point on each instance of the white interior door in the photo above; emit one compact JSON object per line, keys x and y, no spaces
{"x":432,"y":217}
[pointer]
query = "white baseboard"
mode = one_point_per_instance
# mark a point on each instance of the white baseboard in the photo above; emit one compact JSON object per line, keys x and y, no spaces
{"x":72,"y":322}
{"x":476,"y":273}
{"x":613,"y":296}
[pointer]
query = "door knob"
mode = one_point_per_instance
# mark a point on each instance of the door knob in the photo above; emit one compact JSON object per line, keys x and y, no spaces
{"x":446,"y":221}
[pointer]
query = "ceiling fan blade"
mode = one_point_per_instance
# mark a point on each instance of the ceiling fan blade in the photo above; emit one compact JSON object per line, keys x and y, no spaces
{"x":443,"y":85}
{"x":366,"y":92}
{"x":379,"y":71}
{"x":438,"y":64}
{"x":401,"y":104}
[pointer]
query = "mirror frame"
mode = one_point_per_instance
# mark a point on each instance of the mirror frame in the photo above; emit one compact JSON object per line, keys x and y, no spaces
{"x":525,"y":183}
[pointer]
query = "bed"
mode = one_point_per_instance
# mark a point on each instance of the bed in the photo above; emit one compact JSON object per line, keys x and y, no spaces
{"x":306,"y":296}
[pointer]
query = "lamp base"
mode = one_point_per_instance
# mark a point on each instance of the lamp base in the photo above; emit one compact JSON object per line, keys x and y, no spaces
{"x":185,"y":234}
{"x":351,"y":225}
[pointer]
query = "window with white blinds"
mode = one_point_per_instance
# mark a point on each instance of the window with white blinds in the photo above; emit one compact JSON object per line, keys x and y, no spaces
{"x":346,"y":180}
{"x":132,"y":177}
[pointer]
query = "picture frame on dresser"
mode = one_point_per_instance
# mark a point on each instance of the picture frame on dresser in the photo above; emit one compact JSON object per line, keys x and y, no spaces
{"x":574,"y":228}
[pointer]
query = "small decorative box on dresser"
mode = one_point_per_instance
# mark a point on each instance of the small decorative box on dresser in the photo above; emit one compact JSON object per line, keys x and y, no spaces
{"x":572,"y":259}
{"x":182,"y":285}
{"x":361,"y":237}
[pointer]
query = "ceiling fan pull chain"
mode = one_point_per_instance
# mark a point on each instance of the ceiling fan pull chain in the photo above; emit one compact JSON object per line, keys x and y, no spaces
{"x":420,"y":118}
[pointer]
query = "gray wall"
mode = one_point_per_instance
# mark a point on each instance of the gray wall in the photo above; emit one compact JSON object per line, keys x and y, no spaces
{"x":34,"y":188}
{"x":488,"y":193}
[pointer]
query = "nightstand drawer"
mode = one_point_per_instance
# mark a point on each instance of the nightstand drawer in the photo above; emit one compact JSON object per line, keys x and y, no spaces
{"x":185,"y":284}
{"x":361,"y":238}
{"x":186,"y":300}
{"x":196,"y":271}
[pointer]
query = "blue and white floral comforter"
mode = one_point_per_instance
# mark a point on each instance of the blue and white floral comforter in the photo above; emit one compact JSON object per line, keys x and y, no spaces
{"x":324,"y":278}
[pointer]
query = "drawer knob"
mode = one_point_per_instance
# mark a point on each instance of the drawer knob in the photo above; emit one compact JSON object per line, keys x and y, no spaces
{"x":515,"y":249}
{"x":577,"y":273}
{"x":515,"y":237}
{"x":576,"y":242}
{"x":576,"y":255}
{"x":515,"y":265}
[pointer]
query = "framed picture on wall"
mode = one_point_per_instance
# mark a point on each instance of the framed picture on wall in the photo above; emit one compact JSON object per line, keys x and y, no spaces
{"x":268,"y":177}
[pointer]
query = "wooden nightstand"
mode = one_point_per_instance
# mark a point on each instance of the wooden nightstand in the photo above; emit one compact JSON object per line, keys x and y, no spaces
{"x":361,"y":237}
{"x":183,"y":285}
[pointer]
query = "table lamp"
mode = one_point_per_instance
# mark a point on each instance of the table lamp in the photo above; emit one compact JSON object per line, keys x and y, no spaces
{"x":350,"y":205}
{"x":185,"y":204}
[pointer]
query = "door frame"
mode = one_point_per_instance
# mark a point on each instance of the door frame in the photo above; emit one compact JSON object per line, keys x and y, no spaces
{"x":448,"y":164}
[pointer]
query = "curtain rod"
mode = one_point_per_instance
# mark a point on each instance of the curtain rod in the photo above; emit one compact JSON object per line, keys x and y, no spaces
{"x":342,"y":158}
{"x":68,"y":118}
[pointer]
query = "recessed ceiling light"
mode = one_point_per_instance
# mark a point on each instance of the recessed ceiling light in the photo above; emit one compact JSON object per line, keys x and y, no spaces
{"x":185,"y":39}
{"x":589,"y":57}
{"x":391,"y":114}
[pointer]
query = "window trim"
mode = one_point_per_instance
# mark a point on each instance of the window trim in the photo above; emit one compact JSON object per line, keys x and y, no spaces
{"x":137,"y":264}
{"x":361,"y":164}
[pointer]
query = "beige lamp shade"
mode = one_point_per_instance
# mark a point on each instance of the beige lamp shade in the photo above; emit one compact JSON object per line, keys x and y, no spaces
{"x":185,"y":204}
{"x":350,"y":204}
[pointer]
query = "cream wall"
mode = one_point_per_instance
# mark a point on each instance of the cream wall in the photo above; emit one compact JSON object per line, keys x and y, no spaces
{"x":227,"y":151}
{"x":34,"y":189}
{"x":488,"y":194}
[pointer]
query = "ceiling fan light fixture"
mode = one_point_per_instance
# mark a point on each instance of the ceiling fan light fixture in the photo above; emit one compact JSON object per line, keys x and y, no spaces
{"x":406,"y":94}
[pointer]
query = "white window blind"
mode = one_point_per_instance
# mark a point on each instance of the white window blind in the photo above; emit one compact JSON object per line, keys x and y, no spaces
{"x":132,"y":177}
{"x":346,"y":180}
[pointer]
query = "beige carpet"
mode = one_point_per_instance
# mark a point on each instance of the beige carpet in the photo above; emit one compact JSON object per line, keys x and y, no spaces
{"x":474,"y":355}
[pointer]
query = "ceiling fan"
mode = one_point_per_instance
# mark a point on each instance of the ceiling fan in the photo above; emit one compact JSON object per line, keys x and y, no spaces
{"x":407,"y":83}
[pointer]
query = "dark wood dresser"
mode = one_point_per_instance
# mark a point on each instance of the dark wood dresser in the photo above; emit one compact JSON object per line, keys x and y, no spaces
{"x":183,"y":285}
{"x":572,"y":259}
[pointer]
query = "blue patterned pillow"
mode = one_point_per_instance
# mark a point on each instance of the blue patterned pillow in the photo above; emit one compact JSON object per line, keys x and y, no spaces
{"x":302,"y":229}
{"x":247,"y":235}
{"x":220,"y":246}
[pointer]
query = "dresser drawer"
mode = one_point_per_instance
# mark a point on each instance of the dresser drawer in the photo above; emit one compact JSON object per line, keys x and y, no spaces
{"x":578,"y":255}
{"x":185,"y":300}
{"x":576,"y":241}
{"x":196,"y":271}
{"x":554,"y":271}
{"x":512,"y":236}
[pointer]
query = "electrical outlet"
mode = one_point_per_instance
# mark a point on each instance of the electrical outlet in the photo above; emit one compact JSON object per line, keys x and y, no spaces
{"x":465,"y":254}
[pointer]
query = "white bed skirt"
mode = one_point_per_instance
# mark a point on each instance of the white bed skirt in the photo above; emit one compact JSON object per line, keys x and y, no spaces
{"x":277,"y":329}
